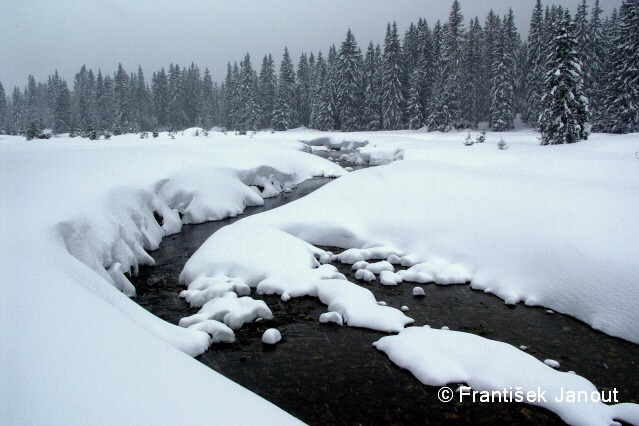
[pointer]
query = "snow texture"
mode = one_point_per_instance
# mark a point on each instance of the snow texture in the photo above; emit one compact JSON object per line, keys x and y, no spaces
{"x":434,"y":358}
{"x":77,"y":218}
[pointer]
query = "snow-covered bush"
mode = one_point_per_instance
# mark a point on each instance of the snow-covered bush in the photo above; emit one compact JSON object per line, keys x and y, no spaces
{"x":501,"y":144}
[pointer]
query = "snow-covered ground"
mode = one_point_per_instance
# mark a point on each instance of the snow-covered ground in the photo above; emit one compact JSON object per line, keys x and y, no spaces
{"x":551,"y":226}
{"x":548,"y":226}
{"x":75,"y":215}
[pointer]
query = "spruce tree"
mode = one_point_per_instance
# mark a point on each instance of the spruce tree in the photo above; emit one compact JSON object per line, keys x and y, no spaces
{"x":622,"y":100}
{"x":392,"y":95}
{"x":268,"y":89}
{"x":207,"y":102}
{"x":3,"y":111}
{"x":284,"y":112}
{"x":160,"y":88}
{"x":17,"y":112}
{"x":250,"y":112}
{"x":303,"y":91}
{"x":62,"y":110}
{"x":372,"y":83}
{"x":594,"y":66}
{"x":452,"y":47}
{"x":322,"y":114}
{"x":471,"y":81}
{"x":564,"y":107}
{"x":349,"y":84}
{"x":502,"y":94}
{"x":413,"y":106}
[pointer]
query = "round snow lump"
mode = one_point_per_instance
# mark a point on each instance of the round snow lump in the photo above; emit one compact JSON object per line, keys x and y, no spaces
{"x":331,"y":317}
{"x":271,"y":336}
{"x":418,"y":291}
{"x":551,"y":363}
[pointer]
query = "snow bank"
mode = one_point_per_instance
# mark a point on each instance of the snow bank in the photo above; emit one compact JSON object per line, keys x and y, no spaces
{"x":441,"y":357}
{"x":547,"y":226}
{"x":275,"y":262}
{"x":76,"y":218}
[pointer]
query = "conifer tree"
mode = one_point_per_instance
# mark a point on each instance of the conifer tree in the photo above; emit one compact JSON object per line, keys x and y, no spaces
{"x":3,"y":111}
{"x":392,"y":96}
{"x":268,"y":88}
{"x":594,"y":66}
{"x":207,"y":102}
{"x":413,"y":106}
{"x":250,"y":113}
{"x":622,"y":100}
{"x":349,"y":84}
{"x":564,"y":107}
{"x":303,"y":91}
{"x":502,"y":94}
{"x":322,"y":116}
{"x":284,"y":112}
{"x":17,"y":112}
{"x":372,"y":83}
{"x":160,"y":88}
{"x":62,"y":110}
{"x":454,"y":37}
{"x":471,"y":81}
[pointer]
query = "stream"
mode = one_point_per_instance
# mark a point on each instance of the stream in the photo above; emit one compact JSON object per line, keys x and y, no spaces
{"x":326,"y":374}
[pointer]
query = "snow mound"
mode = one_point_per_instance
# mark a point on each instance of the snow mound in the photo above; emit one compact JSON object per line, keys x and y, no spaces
{"x":333,"y":317}
{"x":418,"y":292}
{"x":204,"y":289}
{"x":365,"y":275}
{"x":354,"y":255}
{"x":377,"y":267}
{"x":390,"y":278}
{"x":219,"y":332}
{"x":274,"y":262}
{"x":436,"y":270}
{"x":434,"y":358}
{"x":233,"y":311}
{"x":271,"y":336}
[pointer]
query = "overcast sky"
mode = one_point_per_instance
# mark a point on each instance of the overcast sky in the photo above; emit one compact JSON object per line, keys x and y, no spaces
{"x":40,"y":36}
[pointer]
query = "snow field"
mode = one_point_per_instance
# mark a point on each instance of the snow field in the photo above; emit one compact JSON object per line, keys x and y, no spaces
{"x":77,"y":217}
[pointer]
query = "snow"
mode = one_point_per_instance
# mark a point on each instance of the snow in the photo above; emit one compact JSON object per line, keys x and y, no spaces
{"x":234,"y":311}
{"x":435,"y":357}
{"x":271,"y":336}
{"x":76,"y":216}
{"x":274,"y":262}
{"x":548,"y":226}
{"x":551,"y":226}
{"x":551,"y":363}
{"x":333,"y":317}
{"x":418,"y":292}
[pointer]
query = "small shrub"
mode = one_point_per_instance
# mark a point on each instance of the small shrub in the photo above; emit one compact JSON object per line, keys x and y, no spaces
{"x":468,"y":141}
{"x":501,"y":144}
{"x":482,"y":137}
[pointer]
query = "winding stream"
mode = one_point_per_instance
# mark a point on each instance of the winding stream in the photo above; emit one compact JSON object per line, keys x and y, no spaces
{"x":325,"y":374}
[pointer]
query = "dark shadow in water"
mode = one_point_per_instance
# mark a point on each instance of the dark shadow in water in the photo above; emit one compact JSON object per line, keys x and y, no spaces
{"x":325,"y":374}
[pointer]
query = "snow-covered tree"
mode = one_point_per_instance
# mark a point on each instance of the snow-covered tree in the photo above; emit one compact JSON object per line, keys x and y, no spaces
{"x":622,"y":98}
{"x":3,"y":111}
{"x":62,"y":110}
{"x":594,"y":65}
{"x":414,"y":115}
{"x":349,"y":84}
{"x":121,"y":100}
{"x":208,"y":110}
{"x":392,"y":95}
{"x":284,"y":111}
{"x":452,"y":63}
{"x":564,"y":108}
{"x":303,"y":91}
{"x":372,"y":83}
{"x":250,"y":112}
{"x":160,"y":88}
{"x":502,"y":94}
{"x":268,"y":89}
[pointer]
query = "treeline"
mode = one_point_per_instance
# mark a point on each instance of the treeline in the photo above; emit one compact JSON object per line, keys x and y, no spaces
{"x":451,"y":75}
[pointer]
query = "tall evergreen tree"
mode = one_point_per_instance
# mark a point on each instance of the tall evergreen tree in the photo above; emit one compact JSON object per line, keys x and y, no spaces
{"x":594,"y":66}
{"x":564,"y":107}
{"x":284,"y":112}
{"x":303,"y":91}
{"x":622,"y":100}
{"x":62,"y":110}
{"x":250,"y":112}
{"x":160,"y":88}
{"x":502,"y":94}
{"x":17,"y":112}
{"x":3,"y":111}
{"x":452,"y":48}
{"x":392,"y":95}
{"x":349,"y":84}
{"x":372,"y":83}
{"x":268,"y":89}
{"x":207,"y":102}
{"x":471,"y":81}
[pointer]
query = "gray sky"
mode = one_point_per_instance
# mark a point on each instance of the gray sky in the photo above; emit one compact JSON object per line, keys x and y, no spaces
{"x":40,"y":36}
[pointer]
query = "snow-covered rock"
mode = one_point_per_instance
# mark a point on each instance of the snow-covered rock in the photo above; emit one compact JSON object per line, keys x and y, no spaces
{"x":271,"y":336}
{"x":232,"y":310}
{"x":418,"y":292}
{"x":333,"y":317}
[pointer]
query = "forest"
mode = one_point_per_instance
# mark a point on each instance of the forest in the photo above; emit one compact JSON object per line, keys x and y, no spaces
{"x":579,"y":72}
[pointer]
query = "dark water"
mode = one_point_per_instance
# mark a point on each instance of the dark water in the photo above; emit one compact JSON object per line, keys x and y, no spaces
{"x":325,"y":374}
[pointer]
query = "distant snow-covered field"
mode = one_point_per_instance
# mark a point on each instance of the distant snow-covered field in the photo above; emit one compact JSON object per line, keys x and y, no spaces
{"x":548,"y":226}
